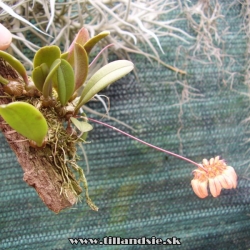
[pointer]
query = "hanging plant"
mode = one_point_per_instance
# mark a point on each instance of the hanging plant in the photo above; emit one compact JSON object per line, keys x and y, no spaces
{"x":42,"y":124}
{"x":40,"y":115}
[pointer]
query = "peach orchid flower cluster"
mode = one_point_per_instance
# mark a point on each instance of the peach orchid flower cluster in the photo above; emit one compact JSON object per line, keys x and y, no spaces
{"x":213,"y":173}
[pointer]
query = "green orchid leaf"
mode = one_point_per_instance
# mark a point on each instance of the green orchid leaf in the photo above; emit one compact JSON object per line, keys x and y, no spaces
{"x":65,"y":55}
{"x":47,"y":87}
{"x":81,"y":38}
{"x":39,"y":75}
{"x":102,"y":78}
{"x":81,"y":65}
{"x":17,"y":65}
{"x":81,"y":125}
{"x":94,"y":40}
{"x":84,"y":136}
{"x":69,"y":57}
{"x":26,"y":120}
{"x":65,"y":81}
{"x":47,"y":54}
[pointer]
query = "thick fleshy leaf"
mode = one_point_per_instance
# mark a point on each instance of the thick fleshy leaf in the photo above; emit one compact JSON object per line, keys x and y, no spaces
{"x":69,"y":56}
{"x":47,"y":87}
{"x":81,"y":38}
{"x":81,"y":65}
{"x":65,"y":81}
{"x":65,"y":55}
{"x":17,"y":65}
{"x":102,"y":78}
{"x":26,"y":120}
{"x":47,"y":54}
{"x":81,"y":125}
{"x":39,"y":75}
{"x":94,"y":40}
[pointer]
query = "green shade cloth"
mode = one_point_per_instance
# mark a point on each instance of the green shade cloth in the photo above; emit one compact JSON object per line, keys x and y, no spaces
{"x":141,"y":192}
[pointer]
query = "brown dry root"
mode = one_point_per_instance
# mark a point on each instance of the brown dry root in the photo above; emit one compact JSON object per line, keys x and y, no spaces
{"x":50,"y":170}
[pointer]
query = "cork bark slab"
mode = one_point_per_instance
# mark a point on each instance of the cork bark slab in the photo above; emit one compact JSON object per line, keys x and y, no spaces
{"x":38,"y":170}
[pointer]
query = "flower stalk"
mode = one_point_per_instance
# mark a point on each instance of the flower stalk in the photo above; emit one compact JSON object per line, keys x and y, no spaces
{"x":214,"y":174}
{"x":146,"y":143}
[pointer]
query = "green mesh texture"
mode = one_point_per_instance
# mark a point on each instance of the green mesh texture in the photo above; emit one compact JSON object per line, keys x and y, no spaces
{"x":139,"y":191}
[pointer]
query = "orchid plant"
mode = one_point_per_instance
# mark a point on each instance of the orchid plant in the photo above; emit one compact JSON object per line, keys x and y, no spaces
{"x":57,"y":89}
{"x":56,"y":79}
{"x":38,"y":107}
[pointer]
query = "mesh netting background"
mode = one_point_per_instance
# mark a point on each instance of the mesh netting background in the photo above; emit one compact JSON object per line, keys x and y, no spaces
{"x":139,"y":191}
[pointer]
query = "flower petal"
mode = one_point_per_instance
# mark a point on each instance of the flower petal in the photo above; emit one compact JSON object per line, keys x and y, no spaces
{"x":230,"y":179}
{"x":205,"y":162}
{"x":231,"y":172}
{"x":216,"y":159}
{"x":200,"y":188}
{"x":223,"y":181}
{"x":211,"y":161}
{"x":227,"y":181}
{"x":215,"y":186}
